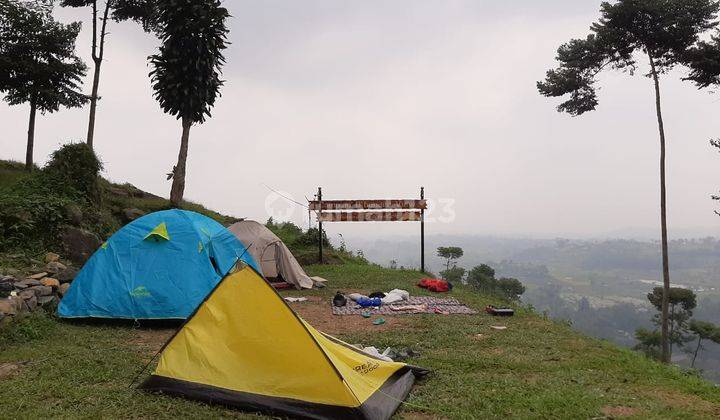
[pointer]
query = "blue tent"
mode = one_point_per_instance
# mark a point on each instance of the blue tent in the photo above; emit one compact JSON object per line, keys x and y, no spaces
{"x":160,"y":266}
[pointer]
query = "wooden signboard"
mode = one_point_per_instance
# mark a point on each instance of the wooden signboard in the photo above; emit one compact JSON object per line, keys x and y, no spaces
{"x":373,"y":211}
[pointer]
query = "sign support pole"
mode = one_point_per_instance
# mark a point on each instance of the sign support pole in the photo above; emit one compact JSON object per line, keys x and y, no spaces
{"x":320,"y":231}
{"x":422,"y":232}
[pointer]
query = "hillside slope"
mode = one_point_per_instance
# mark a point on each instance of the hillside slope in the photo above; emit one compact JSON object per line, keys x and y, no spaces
{"x":534,"y":368}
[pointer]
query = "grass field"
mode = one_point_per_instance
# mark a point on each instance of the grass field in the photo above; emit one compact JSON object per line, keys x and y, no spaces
{"x":533,"y":369}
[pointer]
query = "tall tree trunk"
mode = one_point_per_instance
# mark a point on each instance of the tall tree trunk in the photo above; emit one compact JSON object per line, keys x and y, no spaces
{"x":31,"y":135}
{"x":692,"y":365}
{"x":178,"y":185}
{"x":93,"y":103}
{"x":665,"y":339}
{"x":97,"y":55}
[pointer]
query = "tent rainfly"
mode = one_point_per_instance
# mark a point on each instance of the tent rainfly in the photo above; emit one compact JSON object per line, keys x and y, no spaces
{"x":159,"y":266}
{"x":273,"y":256}
{"x":257,"y":354}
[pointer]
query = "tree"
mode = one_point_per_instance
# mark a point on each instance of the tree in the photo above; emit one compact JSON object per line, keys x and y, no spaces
{"x":453,"y":274}
{"x":186,"y":70}
{"x":450,"y":253}
{"x":681,"y":304}
{"x":482,"y":277}
{"x":38,"y":64}
{"x":704,"y":331}
{"x":510,"y":288}
{"x":663,"y":31}
{"x":138,"y":10}
{"x":648,"y":342}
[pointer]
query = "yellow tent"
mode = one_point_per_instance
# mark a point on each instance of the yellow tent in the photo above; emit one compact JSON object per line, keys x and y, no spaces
{"x":245,"y":347}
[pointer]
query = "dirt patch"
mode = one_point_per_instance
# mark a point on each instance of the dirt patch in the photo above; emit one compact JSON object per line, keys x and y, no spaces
{"x":683,"y":401}
{"x":150,"y":340}
{"x":620,"y":411}
{"x":8,"y":370}
{"x":318,"y":313}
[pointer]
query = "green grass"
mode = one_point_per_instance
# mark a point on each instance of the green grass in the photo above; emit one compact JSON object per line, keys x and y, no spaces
{"x":534,"y":369}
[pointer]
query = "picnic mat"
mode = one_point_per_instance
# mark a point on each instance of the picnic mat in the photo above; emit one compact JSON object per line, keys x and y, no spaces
{"x":450,"y":305}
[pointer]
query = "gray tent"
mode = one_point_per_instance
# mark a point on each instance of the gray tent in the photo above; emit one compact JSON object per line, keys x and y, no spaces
{"x":273,"y":256}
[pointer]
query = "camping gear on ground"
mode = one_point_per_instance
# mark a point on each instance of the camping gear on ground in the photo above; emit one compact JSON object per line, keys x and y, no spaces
{"x":159,"y":266}
{"x":426,"y":304}
{"x":377,"y":295}
{"x":235,"y":353}
{"x":355,"y":296}
{"x":395,"y":295}
{"x":368,"y":302}
{"x":339,"y":299}
{"x":366,"y":314}
{"x":498,"y":327}
{"x":373,"y":351}
{"x":379,"y":321}
{"x":435,"y":285}
{"x":400,"y":355}
{"x":295,"y":299}
{"x":499,"y":311}
{"x":275,"y":259}
{"x":281,"y":285}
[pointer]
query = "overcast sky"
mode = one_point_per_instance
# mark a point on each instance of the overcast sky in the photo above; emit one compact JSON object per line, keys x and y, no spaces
{"x":373,"y":99}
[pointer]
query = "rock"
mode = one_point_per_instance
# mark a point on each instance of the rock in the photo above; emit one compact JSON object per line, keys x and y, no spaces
{"x":74,"y":214}
{"x":67,"y":275}
{"x":12,"y":305}
{"x":132,"y":214}
{"x":27,"y":294}
{"x":29,"y":282}
{"x":31,"y":303}
{"x":7,"y":287}
{"x":38,"y":276}
{"x":63,"y":288}
{"x":79,"y":244}
{"x":49,"y":281}
{"x":51,"y":257}
{"x":47,"y":301}
{"x":55,"y":267}
{"x":20,"y":285}
{"x":42,"y":290}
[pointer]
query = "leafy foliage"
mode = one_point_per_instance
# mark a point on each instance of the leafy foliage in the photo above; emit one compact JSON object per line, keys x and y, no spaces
{"x":33,"y":210}
{"x":450,"y":253}
{"x":664,"y":30}
{"x":37,"y":59}
{"x":76,"y":164}
{"x":682,"y":302}
{"x":482,"y":277}
{"x":186,"y":71}
{"x":648,"y":342}
{"x":453,"y":274}
{"x":704,"y":62}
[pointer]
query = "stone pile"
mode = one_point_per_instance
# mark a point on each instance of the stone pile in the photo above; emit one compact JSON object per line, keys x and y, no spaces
{"x":40,"y":290}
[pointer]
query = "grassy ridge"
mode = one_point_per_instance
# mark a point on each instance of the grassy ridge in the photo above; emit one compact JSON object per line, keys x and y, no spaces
{"x":534,"y":369}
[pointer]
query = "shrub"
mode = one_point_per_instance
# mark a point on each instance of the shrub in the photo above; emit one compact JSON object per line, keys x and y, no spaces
{"x":76,"y":165}
{"x":33,"y":209}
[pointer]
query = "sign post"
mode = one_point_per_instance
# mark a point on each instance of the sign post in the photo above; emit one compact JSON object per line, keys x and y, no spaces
{"x":391,"y":210}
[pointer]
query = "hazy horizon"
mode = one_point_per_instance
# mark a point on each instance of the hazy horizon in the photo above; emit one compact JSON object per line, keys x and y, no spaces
{"x":375,"y":99}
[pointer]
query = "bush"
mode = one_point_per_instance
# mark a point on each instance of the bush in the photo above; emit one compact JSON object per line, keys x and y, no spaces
{"x":310,"y":238}
{"x":33,"y":209}
{"x":76,"y":165}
